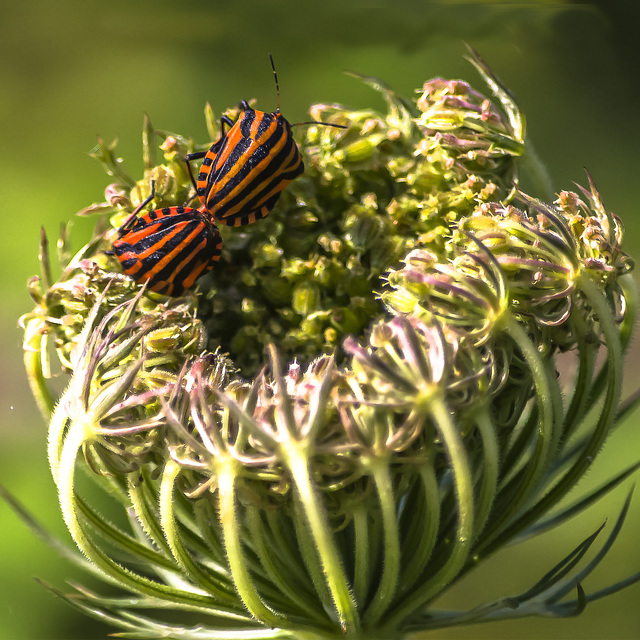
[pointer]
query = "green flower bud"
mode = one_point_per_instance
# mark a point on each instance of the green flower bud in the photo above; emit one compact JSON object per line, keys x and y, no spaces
{"x":276,"y":289}
{"x":356,"y":152}
{"x":306,"y":298}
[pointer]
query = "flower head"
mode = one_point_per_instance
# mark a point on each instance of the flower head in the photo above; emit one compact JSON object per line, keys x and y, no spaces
{"x":408,"y":419}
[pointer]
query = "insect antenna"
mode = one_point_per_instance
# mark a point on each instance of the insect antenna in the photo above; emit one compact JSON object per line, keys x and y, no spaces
{"x":297,"y":124}
{"x":275,"y":77}
{"x":324,"y":124}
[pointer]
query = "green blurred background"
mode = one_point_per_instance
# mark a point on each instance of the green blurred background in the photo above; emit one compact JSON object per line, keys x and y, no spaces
{"x":74,"y":69}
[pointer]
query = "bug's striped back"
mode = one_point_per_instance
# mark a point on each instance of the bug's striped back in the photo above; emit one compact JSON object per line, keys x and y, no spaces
{"x":244,"y":173}
{"x":168,"y":248}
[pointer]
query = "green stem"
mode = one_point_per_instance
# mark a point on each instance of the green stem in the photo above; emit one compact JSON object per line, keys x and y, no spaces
{"x":362,"y":560}
{"x":309,"y":553}
{"x":113,"y":570}
{"x":268,"y":551}
{"x":628,"y":286}
{"x":173,"y":537}
{"x":143,"y":553}
{"x":519,"y":490}
{"x":490,"y":469}
{"x":208,"y":525}
{"x":227,"y":473}
{"x":146,"y":512}
{"x":286,"y":540}
{"x":34,"y":352}
{"x":391,"y":556}
{"x":461,"y":546}
{"x":296,"y":458}
{"x":629,"y":290}
{"x":581,"y":397}
{"x":424,"y":530}
{"x":55,"y":438}
{"x":603,"y":426}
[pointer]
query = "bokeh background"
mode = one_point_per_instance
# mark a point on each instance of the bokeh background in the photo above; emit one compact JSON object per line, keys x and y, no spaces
{"x":74,"y":69}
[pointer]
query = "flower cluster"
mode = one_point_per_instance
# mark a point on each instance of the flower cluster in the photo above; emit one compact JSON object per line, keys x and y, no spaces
{"x":421,"y":300}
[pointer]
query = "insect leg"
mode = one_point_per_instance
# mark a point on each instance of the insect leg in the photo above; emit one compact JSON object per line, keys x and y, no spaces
{"x":125,"y":227}
{"x":198,"y":155}
{"x":188,"y":159}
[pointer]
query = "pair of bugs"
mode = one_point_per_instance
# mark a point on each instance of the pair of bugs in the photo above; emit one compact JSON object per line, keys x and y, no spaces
{"x":240,"y":180}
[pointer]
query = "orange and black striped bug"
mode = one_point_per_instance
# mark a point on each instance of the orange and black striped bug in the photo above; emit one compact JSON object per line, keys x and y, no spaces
{"x":167,"y":248}
{"x":247,"y":168}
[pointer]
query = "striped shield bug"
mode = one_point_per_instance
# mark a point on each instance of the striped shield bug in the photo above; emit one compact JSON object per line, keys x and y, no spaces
{"x":247,"y":168}
{"x":167,"y":248}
